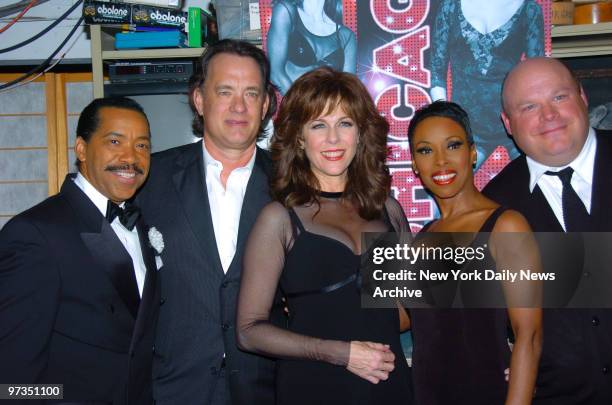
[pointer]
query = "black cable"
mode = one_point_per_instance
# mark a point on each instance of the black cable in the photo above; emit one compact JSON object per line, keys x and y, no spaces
{"x":13,"y":8}
{"x":17,"y":7}
{"x":43,"y":32}
{"x":46,"y":62}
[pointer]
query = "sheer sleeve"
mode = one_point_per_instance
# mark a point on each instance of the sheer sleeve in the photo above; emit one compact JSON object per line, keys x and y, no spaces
{"x":349,"y":44}
{"x":263,"y":264}
{"x":397,"y":217}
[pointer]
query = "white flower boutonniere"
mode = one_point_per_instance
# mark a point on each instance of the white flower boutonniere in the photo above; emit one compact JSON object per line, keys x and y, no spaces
{"x":156,"y":240}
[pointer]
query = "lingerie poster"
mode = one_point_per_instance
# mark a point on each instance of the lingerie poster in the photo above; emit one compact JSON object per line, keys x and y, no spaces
{"x":408,"y":53}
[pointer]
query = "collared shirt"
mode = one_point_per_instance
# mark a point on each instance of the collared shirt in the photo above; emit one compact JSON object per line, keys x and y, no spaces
{"x":582,"y":179}
{"x":129,"y":239}
{"x":226,"y":203}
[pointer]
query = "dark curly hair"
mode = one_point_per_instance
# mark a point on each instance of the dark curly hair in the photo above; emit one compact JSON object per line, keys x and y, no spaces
{"x":313,"y":94}
{"x":238,"y":48}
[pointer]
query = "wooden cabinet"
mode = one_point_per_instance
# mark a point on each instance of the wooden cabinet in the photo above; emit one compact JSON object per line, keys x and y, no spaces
{"x":582,"y":40}
{"x":37,"y":132}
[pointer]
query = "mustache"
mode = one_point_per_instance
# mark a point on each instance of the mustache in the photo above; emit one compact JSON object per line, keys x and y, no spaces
{"x":133,"y":167}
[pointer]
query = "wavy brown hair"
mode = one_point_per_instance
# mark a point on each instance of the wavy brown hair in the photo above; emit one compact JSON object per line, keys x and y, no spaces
{"x":314,"y":94}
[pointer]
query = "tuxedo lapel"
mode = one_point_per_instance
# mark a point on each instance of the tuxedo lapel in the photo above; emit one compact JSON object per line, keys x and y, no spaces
{"x":541,"y":213}
{"x":148,"y":253}
{"x":103,"y":245}
{"x":148,"y":292}
{"x":85,"y":211}
{"x":188,"y":178}
{"x":601,"y":195}
{"x":110,"y":255}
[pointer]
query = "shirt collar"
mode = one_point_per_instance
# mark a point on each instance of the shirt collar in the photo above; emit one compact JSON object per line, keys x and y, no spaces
{"x":99,"y":200}
{"x":583,"y":164}
{"x":211,"y":161}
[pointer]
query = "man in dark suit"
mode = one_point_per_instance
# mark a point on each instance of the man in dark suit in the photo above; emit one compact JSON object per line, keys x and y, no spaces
{"x":205,"y":197}
{"x":78,"y":290}
{"x":562,"y":182}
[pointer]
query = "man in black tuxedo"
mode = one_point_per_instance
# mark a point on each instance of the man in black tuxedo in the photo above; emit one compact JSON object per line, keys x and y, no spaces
{"x":205,"y":197}
{"x":562,"y":182}
{"x":78,"y":289}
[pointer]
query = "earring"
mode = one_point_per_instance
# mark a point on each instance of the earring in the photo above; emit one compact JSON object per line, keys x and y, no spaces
{"x":474,"y":165}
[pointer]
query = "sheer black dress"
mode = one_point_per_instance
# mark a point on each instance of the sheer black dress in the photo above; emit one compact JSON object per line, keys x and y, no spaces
{"x":313,"y":254}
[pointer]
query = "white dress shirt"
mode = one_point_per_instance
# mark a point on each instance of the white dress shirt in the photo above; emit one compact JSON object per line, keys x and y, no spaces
{"x":226,"y":203}
{"x":129,"y":239}
{"x":582,"y":179}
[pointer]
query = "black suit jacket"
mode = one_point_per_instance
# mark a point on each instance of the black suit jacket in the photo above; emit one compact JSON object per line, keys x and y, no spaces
{"x":64,"y":317}
{"x":575,"y":367}
{"x":197,"y":317}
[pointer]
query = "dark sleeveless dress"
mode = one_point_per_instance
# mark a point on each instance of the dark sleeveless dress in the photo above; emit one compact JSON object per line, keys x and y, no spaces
{"x":459,"y":355}
{"x":322,"y":288}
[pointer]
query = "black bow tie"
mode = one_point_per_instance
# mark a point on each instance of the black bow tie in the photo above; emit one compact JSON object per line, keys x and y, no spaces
{"x":128,"y":215}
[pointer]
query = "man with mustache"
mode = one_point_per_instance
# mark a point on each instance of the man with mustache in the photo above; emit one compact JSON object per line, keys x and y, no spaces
{"x":561,"y":183}
{"x":78,"y":278}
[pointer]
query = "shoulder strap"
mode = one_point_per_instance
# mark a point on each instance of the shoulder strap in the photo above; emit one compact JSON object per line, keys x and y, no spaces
{"x":338,"y":38}
{"x":295,"y":220}
{"x":489,"y":224}
{"x":385,"y":217}
{"x":426,"y":226}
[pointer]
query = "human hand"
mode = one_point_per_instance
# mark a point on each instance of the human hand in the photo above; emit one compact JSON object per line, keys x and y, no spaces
{"x":370,"y":361}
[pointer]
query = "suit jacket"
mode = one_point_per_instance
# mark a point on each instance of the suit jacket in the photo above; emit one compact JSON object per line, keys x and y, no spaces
{"x":575,"y":367}
{"x":197,"y":316}
{"x":68,"y":311}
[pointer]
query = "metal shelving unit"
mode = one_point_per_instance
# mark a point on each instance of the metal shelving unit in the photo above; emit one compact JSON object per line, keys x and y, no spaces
{"x":102,"y":48}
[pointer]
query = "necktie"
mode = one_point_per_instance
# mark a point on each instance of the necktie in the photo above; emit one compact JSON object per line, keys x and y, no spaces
{"x":128,"y":215}
{"x":575,"y":214}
